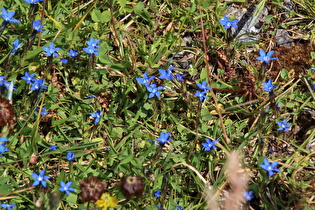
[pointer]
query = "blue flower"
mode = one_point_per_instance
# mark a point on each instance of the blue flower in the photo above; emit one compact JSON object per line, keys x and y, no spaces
{"x":157,"y":194}
{"x":7,"y":206}
{"x":28,"y":77}
{"x":3,"y":81}
{"x":91,"y":96}
{"x":313,"y":68}
{"x":37,"y":26}
{"x":43,"y":112}
{"x":8,"y":84}
{"x":65,"y":187}
{"x":154,"y":91}
{"x":228,"y":24}
{"x":63,"y":60}
{"x":40,"y":178}
{"x":159,"y":207}
{"x":283,"y":125}
{"x":38,"y":84}
{"x":91,"y":50}
{"x":270,"y":167}
{"x":8,"y":16}
{"x":32,"y":1}
{"x":93,"y":43}
{"x":51,"y":50}
{"x":209,"y":144}
{"x":92,"y":46}
{"x":268,"y":86}
{"x":16,"y":45}
{"x":248,"y":195}
{"x":179,"y":208}
{"x":3,"y":139}
{"x":166,"y":74}
{"x":265,"y":57}
{"x":145,"y":80}
{"x":314,"y":86}
{"x":3,"y":148}
{"x":164,"y":137}
{"x":52,"y":148}
{"x":202,"y":95}
{"x":203,"y":86}
{"x":73,"y":53}
{"x":179,"y":77}
{"x":70,"y":156}
{"x":97,"y":116}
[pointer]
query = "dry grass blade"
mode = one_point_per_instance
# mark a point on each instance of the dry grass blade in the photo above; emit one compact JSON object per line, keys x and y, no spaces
{"x":238,"y":181}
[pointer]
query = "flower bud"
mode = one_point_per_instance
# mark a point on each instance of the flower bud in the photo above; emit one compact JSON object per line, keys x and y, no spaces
{"x":91,"y":189}
{"x":131,"y":186}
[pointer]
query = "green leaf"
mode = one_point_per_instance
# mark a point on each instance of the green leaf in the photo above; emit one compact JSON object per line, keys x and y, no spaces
{"x":33,"y":53}
{"x":138,"y":9}
{"x":284,"y":73}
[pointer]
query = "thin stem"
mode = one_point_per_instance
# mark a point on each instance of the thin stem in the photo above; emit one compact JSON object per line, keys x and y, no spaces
{"x":226,"y":138}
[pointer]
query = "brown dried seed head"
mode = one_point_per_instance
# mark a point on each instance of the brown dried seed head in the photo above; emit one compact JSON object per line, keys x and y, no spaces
{"x":91,"y":189}
{"x":6,"y":111}
{"x":131,"y":186}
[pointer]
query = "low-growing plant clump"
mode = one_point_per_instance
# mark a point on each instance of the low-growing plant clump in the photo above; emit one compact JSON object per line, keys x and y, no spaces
{"x":157,"y":104}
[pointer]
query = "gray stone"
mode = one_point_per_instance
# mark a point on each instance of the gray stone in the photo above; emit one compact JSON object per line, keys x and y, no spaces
{"x":248,"y":25}
{"x":283,"y":38}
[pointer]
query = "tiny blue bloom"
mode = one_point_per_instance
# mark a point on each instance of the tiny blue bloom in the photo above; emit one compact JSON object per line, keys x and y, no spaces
{"x":65,"y":187}
{"x":3,"y":139}
{"x":145,"y":79}
{"x":51,"y":50}
{"x":228,"y":24}
{"x":32,"y":1}
{"x":16,"y":45}
{"x":73,"y":53}
{"x":92,"y":46}
{"x":7,"y":206}
{"x":265,"y":57}
{"x":179,"y":77}
{"x":157,"y":194}
{"x":93,"y":43}
{"x":209,"y":144}
{"x":268,"y":86}
{"x":202,"y":95}
{"x":270,"y":167}
{"x":38,"y":84}
{"x":91,"y":50}
{"x":179,"y":208}
{"x":3,"y":148}
{"x":63,"y":60}
{"x":70,"y":156}
{"x":8,"y":16}
{"x":154,"y":91}
{"x":164,"y":137}
{"x":248,"y":195}
{"x":97,"y":116}
{"x":52,"y":148}
{"x":40,"y":178}
{"x":37,"y":26}
{"x":203,"y":86}
{"x":283,"y":125}
{"x":43,"y":112}
{"x":28,"y":77}
{"x":165,"y":74}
